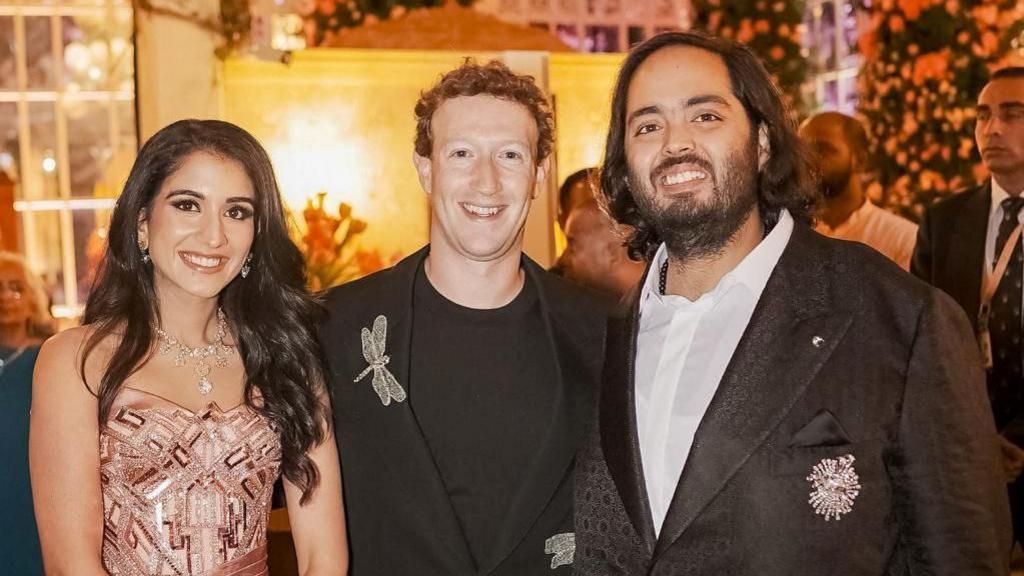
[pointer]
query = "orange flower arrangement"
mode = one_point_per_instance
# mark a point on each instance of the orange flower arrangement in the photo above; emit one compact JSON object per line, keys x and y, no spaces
{"x":328,"y":246}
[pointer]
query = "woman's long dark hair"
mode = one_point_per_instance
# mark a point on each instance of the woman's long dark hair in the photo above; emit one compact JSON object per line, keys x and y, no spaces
{"x":270,"y":312}
{"x":784,"y":182}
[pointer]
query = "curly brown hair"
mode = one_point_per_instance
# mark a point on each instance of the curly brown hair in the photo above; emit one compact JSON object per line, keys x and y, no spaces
{"x":492,"y":79}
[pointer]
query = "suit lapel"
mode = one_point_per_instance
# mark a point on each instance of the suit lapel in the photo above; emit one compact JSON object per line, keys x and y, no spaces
{"x":575,"y":373}
{"x":792,"y":332}
{"x":620,"y":442}
{"x":967,"y":250}
{"x":401,"y":426}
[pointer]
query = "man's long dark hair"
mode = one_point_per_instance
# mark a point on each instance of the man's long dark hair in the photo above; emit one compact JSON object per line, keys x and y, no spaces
{"x":270,"y":312}
{"x":783,"y":182}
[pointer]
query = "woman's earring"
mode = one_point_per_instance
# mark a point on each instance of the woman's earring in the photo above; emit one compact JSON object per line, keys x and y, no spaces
{"x":247,"y":266}
{"x":144,"y":249}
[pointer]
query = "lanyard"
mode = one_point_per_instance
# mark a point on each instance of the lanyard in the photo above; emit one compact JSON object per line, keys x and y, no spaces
{"x":990,"y":283}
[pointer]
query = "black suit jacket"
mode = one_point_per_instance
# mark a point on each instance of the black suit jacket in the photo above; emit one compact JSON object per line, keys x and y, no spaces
{"x":845,"y":355}
{"x":400,"y":517}
{"x":950,"y":250}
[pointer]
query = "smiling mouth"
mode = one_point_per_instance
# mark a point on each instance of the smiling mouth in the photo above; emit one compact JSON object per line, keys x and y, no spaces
{"x":478,"y":211}
{"x":684,"y":177}
{"x":200,"y":263}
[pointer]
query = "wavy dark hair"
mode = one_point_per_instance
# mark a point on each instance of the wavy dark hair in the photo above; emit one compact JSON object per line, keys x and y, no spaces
{"x":783,"y":182}
{"x":271,"y":314}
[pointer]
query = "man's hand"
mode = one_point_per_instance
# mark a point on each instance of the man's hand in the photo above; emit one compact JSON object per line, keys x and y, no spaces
{"x":1013,"y":459}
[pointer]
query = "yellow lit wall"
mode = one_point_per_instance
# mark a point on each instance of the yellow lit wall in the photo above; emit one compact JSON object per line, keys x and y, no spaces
{"x":582,"y":86}
{"x":341,"y":121}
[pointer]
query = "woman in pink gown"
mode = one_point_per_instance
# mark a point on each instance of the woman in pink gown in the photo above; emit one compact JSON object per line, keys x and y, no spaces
{"x":159,"y":427}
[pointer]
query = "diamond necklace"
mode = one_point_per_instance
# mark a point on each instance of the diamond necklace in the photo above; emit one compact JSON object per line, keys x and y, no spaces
{"x":218,"y":349}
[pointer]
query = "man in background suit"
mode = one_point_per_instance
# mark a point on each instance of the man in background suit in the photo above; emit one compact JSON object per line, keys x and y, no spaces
{"x":960,"y":240}
{"x":774,"y":402}
{"x":464,"y":376}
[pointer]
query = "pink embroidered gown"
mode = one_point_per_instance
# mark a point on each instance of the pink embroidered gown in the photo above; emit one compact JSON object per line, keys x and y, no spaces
{"x":185,"y":493}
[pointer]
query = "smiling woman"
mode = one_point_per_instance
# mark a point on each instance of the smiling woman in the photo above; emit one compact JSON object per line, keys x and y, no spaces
{"x":199,"y":263}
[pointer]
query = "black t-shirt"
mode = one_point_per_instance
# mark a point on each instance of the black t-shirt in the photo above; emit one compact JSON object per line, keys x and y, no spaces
{"x":482,"y":387}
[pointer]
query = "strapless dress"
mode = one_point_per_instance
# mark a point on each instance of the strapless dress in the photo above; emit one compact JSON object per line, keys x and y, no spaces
{"x":185,"y":493}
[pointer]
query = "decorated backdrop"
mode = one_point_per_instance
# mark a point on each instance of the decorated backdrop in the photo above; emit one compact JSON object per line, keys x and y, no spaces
{"x":772,"y":29}
{"x":924,"y":63}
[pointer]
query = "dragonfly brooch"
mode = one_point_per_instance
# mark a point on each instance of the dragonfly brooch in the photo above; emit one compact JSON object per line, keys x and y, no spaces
{"x":384,"y":382}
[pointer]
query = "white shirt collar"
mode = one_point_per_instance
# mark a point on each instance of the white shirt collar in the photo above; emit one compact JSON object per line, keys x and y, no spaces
{"x":753,"y":271}
{"x":998,"y":195}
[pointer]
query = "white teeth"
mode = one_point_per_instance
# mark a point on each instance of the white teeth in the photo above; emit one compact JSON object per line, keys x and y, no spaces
{"x":202,"y":260}
{"x":482,"y":210}
{"x":686,"y":176}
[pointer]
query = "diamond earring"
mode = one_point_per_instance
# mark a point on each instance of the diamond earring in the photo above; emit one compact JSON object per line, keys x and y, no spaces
{"x":144,"y":249}
{"x":247,"y":266}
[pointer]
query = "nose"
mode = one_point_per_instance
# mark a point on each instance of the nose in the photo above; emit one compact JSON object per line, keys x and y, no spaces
{"x":992,"y":126}
{"x":213,"y":230}
{"x":487,"y":180}
{"x":678,"y":140}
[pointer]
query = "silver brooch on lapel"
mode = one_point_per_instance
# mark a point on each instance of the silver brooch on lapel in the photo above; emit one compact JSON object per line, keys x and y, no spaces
{"x":563,"y":546}
{"x":384,"y":382}
{"x":835,"y":485}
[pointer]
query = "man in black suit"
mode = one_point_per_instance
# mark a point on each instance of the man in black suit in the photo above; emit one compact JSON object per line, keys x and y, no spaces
{"x":774,"y":402}
{"x":958,"y":247}
{"x":464,"y":376}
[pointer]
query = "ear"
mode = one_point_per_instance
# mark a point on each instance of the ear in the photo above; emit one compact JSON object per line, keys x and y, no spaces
{"x":764,"y":146}
{"x":143,"y":227}
{"x":541,"y":175}
{"x":422,"y":165}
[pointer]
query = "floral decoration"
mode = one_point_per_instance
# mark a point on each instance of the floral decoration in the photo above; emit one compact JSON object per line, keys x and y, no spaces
{"x":329,"y":247}
{"x":925,"y":61}
{"x":325,"y":18}
{"x":773,"y":29}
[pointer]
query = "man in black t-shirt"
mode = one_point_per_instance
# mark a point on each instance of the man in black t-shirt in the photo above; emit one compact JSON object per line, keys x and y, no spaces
{"x":464,"y":376}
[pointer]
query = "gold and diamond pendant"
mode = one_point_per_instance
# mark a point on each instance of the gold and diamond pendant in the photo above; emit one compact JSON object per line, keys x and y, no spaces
{"x":218,"y":349}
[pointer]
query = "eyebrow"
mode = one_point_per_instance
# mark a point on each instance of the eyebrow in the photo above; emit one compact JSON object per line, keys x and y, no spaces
{"x":200,"y":196}
{"x":690,"y":102}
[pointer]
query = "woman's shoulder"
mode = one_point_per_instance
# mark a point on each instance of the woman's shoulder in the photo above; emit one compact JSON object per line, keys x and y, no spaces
{"x":61,"y":354}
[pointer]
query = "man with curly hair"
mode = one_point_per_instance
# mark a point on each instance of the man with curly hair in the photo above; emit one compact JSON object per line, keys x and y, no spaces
{"x":773,"y":402}
{"x":464,"y":375}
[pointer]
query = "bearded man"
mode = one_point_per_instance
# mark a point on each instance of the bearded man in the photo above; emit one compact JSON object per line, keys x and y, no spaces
{"x":840,"y":152}
{"x":774,"y":402}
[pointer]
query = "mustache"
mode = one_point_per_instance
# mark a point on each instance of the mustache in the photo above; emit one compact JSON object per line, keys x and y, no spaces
{"x":688,"y":158}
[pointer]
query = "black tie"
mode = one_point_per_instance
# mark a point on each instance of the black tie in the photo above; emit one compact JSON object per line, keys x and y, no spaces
{"x":1005,"y":325}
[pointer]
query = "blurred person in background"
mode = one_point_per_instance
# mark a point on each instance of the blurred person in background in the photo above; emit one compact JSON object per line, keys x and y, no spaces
{"x":577,"y":189}
{"x":840,"y":156}
{"x":596,"y":255}
{"x":24,"y":322}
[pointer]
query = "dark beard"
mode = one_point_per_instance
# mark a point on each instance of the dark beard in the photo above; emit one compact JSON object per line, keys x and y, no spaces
{"x":834,"y":184}
{"x":692,"y":229}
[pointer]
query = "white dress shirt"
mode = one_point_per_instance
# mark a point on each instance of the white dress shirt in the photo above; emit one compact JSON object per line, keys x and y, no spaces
{"x":683,"y":349}
{"x":892,"y":235}
{"x":995,"y":216}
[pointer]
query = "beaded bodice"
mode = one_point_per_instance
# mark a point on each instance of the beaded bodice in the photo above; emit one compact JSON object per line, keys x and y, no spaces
{"x":185,"y":493}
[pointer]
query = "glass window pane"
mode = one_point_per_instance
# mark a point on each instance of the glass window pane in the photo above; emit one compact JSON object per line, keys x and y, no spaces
{"x":9,"y":160}
{"x":602,"y":39}
{"x":90,"y":229}
{"x":126,"y":127}
{"x":8,"y":70}
{"x":568,"y":34}
{"x":42,"y":247}
{"x":636,"y":35}
{"x":89,"y":148}
{"x":39,"y":176}
{"x":39,"y":53}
